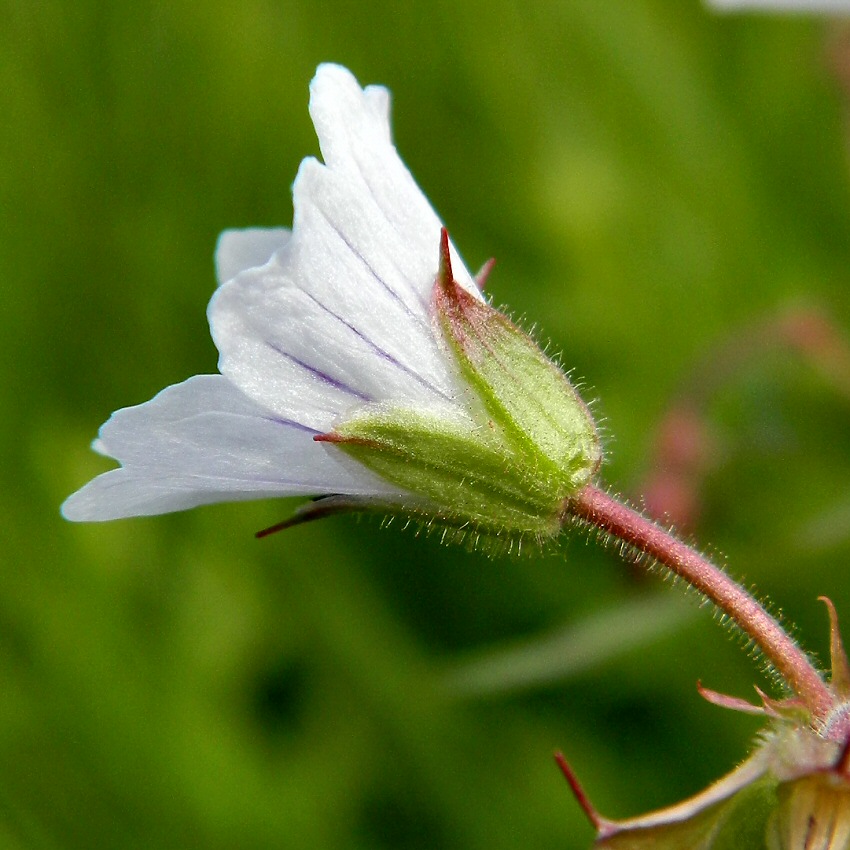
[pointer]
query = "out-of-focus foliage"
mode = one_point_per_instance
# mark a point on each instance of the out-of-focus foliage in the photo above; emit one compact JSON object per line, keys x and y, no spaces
{"x":650,"y":177}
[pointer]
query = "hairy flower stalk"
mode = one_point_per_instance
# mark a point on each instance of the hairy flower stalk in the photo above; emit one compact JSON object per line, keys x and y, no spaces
{"x":597,"y":508}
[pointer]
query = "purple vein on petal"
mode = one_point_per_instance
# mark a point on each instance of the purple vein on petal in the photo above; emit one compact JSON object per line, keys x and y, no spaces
{"x":393,"y":225}
{"x":384,"y":355}
{"x":291,"y":423}
{"x":375,"y":275}
{"x":318,"y":373}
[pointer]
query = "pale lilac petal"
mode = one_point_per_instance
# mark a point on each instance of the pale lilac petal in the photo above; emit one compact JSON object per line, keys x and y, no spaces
{"x":238,"y":250}
{"x":316,"y":331}
{"x":341,"y":315}
{"x":353,"y":126}
{"x":295,"y":354}
{"x":203,"y":441}
{"x":309,"y":324}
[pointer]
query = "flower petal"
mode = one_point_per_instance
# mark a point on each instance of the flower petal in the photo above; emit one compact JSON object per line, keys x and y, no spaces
{"x":296,"y":354}
{"x":238,"y":250}
{"x":203,"y":441}
{"x":353,"y":126}
{"x":341,"y":315}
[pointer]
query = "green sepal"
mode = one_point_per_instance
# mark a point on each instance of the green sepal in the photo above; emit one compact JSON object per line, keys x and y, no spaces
{"x":454,"y":471}
{"x":506,"y":455}
{"x":737,"y":823}
{"x":524,"y":392}
{"x":793,"y":793}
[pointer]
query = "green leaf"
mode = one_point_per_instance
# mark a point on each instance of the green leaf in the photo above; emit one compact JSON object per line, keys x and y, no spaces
{"x":564,"y":653}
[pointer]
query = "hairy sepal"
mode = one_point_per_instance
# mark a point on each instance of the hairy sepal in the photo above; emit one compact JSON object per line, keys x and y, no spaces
{"x":457,"y":472}
{"x":738,"y":822}
{"x":793,"y":793}
{"x":506,"y":454}
{"x":524,"y":392}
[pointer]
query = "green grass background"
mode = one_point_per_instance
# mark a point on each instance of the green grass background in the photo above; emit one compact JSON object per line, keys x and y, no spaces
{"x":651,"y":178}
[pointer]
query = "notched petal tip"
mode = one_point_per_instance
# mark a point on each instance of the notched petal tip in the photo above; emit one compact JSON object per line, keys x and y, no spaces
{"x":203,"y":441}
{"x":239,"y":250}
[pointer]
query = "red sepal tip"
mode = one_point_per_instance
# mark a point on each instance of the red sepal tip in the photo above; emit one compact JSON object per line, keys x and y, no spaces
{"x":328,"y":438}
{"x":445,"y":275}
{"x":598,"y":822}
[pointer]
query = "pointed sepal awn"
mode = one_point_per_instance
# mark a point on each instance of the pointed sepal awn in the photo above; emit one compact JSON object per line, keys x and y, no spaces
{"x":517,"y":443}
{"x":528,"y":397}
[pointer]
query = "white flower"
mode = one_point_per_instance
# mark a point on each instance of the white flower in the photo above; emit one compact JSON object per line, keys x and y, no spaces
{"x":359,"y":360}
{"x":309,"y":325}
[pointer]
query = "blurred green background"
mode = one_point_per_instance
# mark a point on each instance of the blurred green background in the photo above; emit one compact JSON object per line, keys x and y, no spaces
{"x":653,"y":180}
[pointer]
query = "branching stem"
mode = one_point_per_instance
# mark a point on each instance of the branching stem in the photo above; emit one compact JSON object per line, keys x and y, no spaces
{"x":595,"y":507}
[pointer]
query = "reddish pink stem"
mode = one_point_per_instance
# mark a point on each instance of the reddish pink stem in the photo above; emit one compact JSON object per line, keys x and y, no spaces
{"x":598,"y":509}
